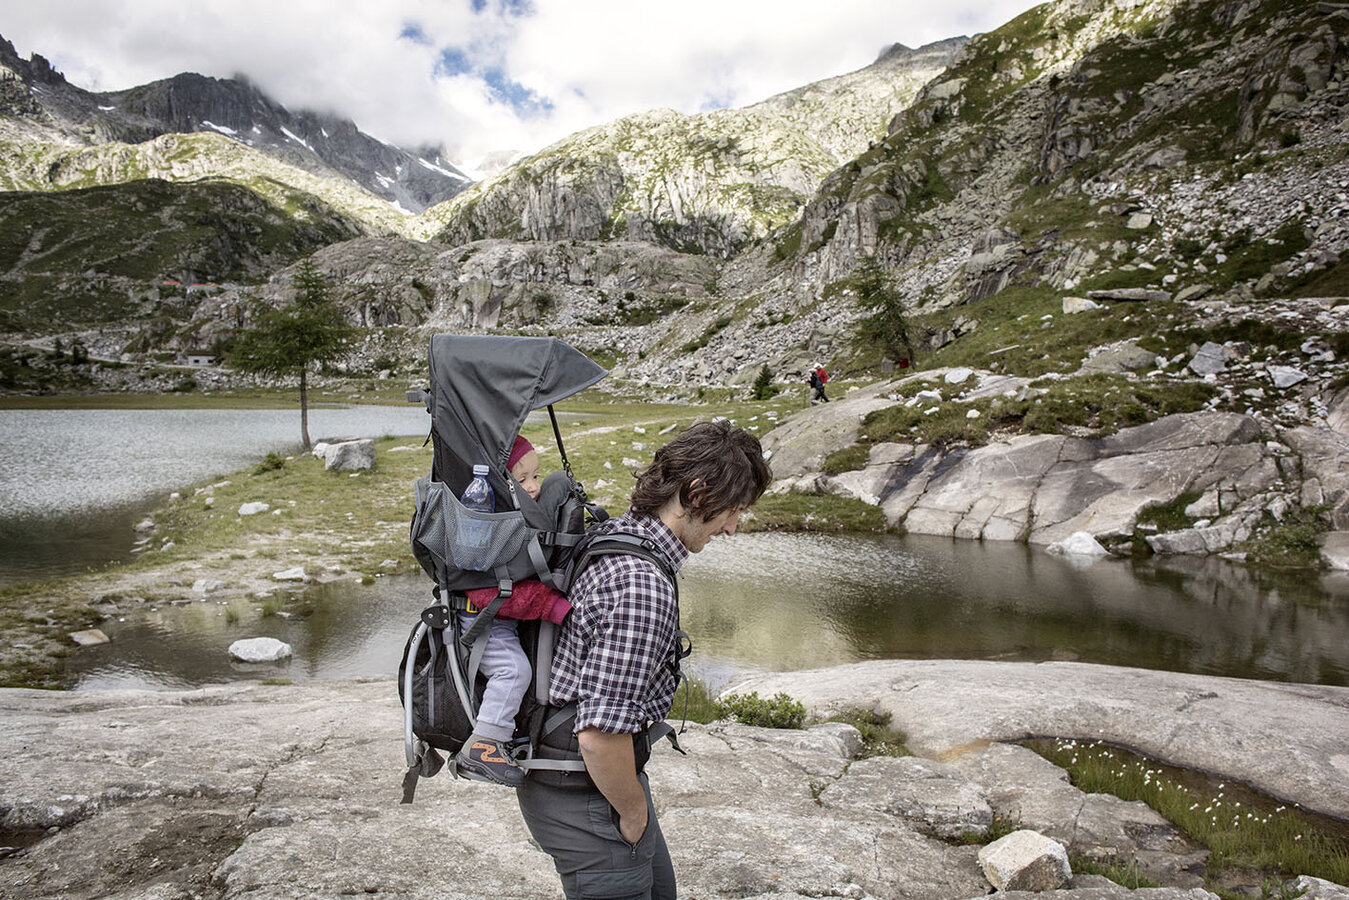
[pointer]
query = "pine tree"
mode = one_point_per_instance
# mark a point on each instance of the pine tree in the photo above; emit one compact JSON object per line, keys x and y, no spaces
{"x":763,"y":388}
{"x":309,"y":331}
{"x":888,"y":323}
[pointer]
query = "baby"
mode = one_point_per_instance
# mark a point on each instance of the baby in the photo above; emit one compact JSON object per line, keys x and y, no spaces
{"x":504,"y":664}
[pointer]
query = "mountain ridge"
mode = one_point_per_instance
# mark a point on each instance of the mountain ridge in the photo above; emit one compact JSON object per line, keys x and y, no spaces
{"x":59,"y":112}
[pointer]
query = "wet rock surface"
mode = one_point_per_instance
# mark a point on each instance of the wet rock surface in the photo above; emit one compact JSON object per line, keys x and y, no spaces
{"x":293,"y":790}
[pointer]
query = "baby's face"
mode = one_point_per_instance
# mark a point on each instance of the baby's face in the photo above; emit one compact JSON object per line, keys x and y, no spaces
{"x":526,"y":471}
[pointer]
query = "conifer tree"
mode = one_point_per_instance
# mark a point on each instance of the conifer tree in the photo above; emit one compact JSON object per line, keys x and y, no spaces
{"x":309,"y":331}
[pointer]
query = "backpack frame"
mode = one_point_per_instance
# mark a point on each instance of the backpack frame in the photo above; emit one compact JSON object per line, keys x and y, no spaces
{"x":482,"y":389}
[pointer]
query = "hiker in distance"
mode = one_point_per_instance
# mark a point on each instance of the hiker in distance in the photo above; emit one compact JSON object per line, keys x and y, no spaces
{"x":617,"y":658}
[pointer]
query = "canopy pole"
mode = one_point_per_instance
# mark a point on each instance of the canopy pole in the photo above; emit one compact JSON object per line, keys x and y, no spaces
{"x":562,"y":451}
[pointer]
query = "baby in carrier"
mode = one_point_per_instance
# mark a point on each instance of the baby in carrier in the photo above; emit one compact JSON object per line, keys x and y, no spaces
{"x":483,"y":756}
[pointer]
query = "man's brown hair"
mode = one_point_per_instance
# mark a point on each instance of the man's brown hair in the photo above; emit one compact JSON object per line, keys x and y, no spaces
{"x":711,"y":467}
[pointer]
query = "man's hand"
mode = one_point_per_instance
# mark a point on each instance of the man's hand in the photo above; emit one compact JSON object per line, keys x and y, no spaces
{"x":612,"y":766}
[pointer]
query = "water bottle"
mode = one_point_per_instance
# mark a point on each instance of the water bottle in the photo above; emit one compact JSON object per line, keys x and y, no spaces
{"x":478,"y":495}
{"x":475,"y":535}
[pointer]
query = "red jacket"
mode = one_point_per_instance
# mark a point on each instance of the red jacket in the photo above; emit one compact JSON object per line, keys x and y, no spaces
{"x":529,"y":600}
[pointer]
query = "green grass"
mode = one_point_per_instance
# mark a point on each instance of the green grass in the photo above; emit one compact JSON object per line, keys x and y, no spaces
{"x":1293,"y":542}
{"x":1099,"y":403}
{"x":1123,"y":872}
{"x":879,"y":737}
{"x":1023,"y":330}
{"x":1242,"y":829}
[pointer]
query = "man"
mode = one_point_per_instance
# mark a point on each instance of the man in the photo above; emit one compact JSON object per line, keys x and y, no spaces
{"x":617,"y":658}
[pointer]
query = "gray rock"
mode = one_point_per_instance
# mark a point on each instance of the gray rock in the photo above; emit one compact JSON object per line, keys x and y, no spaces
{"x":931,"y":797}
{"x":1210,"y":360}
{"x":302,"y":799}
{"x":1285,"y":376}
{"x":1320,"y":889}
{"x":1193,"y":292}
{"x":1072,"y":305}
{"x":349,"y":456}
{"x":1025,"y":861}
{"x":801,"y":444}
{"x":1126,"y":358}
{"x":297,"y":573}
{"x":1335,"y":550}
{"x":259,"y":649}
{"x":1130,"y":294}
{"x":89,"y":637}
{"x":1079,"y":543}
{"x":252,"y":509}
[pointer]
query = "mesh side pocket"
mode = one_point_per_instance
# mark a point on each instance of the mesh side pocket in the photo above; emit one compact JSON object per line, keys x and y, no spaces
{"x":460,"y":538}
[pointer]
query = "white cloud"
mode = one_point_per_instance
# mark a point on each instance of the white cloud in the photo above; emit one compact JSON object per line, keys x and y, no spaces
{"x":590,"y":61}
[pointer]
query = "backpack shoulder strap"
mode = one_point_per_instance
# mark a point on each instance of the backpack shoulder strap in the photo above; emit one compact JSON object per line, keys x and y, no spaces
{"x":622,"y":542}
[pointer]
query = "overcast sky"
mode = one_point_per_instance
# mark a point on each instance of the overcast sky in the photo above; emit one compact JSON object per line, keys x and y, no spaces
{"x":487,"y":75}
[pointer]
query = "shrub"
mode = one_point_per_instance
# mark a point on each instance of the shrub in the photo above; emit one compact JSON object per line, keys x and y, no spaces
{"x":270,"y":463}
{"x":779,"y":712}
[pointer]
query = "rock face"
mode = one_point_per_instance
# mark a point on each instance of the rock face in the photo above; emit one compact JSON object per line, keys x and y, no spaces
{"x":141,"y":797}
{"x":709,"y":183}
{"x":1046,"y":488}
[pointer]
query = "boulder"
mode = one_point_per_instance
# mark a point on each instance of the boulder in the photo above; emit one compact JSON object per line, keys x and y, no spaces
{"x":1073,"y":305}
{"x":1079,"y":543}
{"x":800,"y":444}
{"x":90,"y":637}
{"x":1335,"y":550}
{"x":1025,"y":861}
{"x":261,"y":649}
{"x":252,"y":509}
{"x":349,"y":456}
{"x":1210,"y":359}
{"x":1125,"y":357}
{"x":1130,"y":294}
{"x":296,"y":573}
{"x":1319,"y":889}
{"x":1285,"y":376}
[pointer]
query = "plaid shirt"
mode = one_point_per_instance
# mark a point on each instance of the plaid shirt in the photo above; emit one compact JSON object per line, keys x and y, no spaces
{"x":614,"y":652}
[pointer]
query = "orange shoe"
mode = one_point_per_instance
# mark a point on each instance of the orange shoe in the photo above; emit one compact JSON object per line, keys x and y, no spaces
{"x":483,"y":759}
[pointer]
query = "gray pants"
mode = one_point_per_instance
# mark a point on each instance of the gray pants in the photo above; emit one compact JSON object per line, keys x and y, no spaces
{"x":579,"y":829}
{"x":508,"y":677}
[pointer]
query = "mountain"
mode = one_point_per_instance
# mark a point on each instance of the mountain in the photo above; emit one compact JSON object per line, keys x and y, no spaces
{"x":115,"y":252}
{"x":707,"y":183}
{"x":37,"y":104}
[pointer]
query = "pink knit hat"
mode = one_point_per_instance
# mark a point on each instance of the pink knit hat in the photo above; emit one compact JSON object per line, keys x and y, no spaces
{"x":518,"y":449}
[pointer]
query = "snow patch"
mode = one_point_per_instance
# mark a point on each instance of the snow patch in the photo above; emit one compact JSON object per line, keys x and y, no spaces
{"x":296,"y":138}
{"x":220,"y":128}
{"x":107,"y":108}
{"x":446,"y":172}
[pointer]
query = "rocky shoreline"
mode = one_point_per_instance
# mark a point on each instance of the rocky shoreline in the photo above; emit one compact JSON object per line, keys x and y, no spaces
{"x":273,"y":791}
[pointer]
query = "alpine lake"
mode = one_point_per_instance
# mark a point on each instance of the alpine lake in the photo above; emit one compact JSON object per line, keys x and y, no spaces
{"x":761,"y":601}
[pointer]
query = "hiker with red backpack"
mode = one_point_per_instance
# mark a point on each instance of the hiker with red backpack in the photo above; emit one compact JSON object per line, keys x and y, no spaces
{"x":817,"y":380}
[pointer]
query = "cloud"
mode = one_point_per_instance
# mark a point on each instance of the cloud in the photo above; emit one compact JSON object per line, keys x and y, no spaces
{"x":483,"y":75}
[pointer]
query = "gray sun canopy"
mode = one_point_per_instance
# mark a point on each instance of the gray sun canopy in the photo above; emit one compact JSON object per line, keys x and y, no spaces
{"x":483,"y":387}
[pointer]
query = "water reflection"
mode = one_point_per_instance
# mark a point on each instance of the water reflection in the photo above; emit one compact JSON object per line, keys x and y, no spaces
{"x":794,"y":601}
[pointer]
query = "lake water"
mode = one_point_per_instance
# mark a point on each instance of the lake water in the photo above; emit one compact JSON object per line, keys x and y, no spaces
{"x":74,"y":482}
{"x":765,"y":602}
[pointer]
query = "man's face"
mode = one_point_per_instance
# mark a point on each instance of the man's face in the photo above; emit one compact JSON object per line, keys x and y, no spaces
{"x":697,"y":532}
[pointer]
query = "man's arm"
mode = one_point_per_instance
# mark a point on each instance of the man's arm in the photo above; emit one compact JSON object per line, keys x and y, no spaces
{"x":609,"y":760}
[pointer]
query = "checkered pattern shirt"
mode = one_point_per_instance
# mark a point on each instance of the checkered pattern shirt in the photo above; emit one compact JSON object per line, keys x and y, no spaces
{"x":615,"y":652}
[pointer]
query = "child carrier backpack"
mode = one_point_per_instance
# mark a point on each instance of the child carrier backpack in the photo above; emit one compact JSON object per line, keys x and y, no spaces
{"x":482,"y":389}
